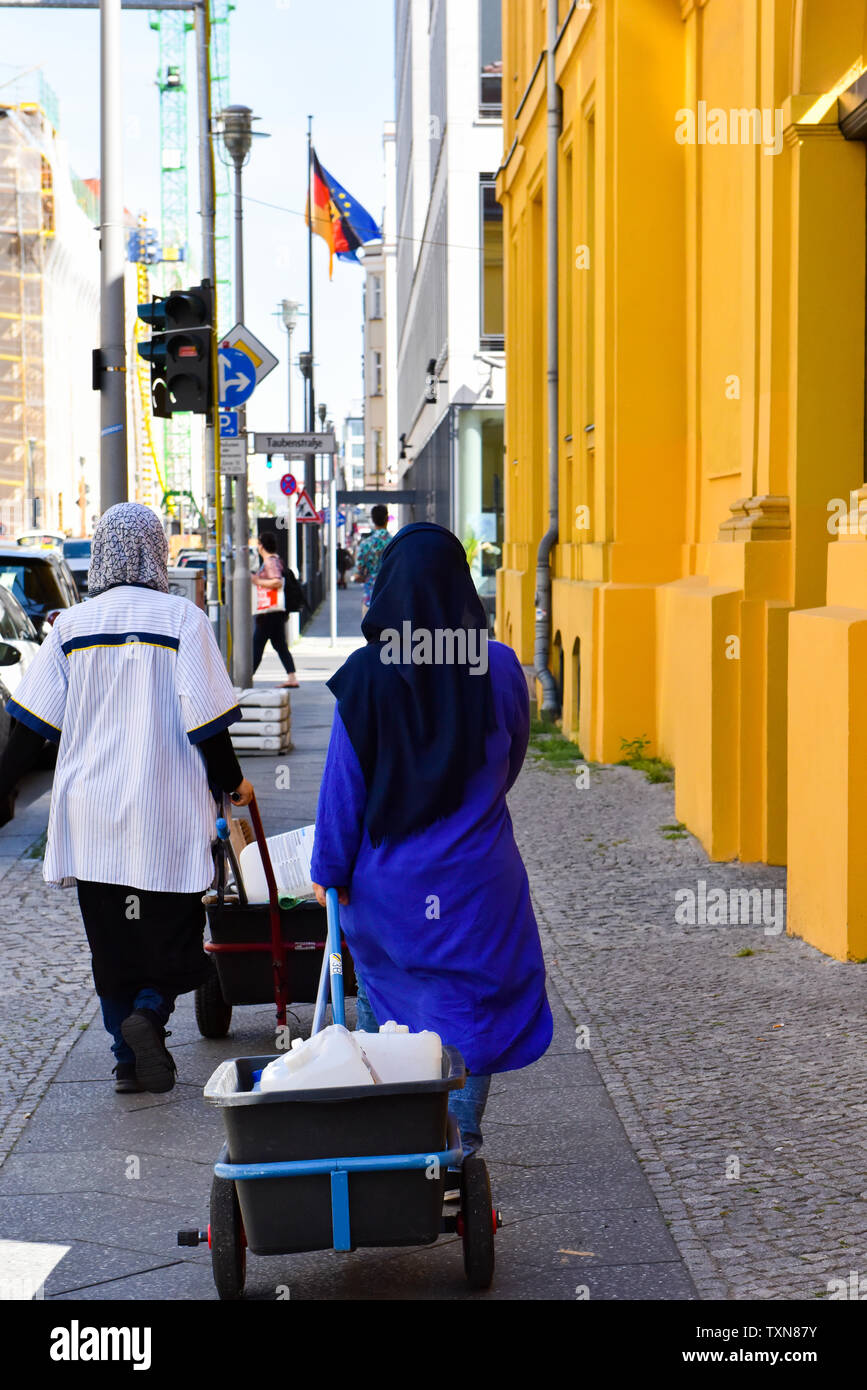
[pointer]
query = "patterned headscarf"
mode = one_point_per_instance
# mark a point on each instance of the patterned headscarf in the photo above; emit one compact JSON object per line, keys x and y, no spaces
{"x":129,"y":547}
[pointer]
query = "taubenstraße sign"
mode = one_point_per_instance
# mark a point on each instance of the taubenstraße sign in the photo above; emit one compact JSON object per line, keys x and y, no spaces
{"x":293,"y":444}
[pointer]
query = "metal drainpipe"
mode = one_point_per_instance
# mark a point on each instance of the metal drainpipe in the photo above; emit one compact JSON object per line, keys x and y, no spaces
{"x":550,"y":701}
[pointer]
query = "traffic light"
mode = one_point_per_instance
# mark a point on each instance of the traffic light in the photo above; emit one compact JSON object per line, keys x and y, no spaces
{"x":180,"y":350}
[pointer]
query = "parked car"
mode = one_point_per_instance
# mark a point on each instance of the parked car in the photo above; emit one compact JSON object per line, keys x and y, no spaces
{"x":7,"y":807}
{"x":76,"y":553}
{"x":197,"y":559}
{"x":17,"y":631}
{"x":41,"y":582}
{"x":41,"y":540}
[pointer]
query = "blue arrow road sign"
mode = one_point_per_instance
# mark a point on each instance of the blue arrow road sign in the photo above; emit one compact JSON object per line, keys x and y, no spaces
{"x":237,"y":377}
{"x":228,"y":424}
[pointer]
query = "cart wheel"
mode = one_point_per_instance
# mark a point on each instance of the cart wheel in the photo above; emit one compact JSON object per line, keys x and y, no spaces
{"x":477,"y":1223}
{"x":227,"y":1240}
{"x":213,"y":1014}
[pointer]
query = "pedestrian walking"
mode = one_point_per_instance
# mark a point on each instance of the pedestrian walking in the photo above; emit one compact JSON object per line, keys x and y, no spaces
{"x":345,"y":563}
{"x":132,"y":689}
{"x":270,"y":621}
{"x":413,"y":829}
{"x":370,"y":553}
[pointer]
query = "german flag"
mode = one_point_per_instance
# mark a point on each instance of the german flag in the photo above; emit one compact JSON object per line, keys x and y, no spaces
{"x":344,"y":224}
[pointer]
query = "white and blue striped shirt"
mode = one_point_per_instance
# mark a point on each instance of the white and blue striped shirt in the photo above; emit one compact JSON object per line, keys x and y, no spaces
{"x":127,"y":684}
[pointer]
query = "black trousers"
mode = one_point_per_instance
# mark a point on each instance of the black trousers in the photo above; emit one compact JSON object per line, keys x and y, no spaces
{"x":271,"y":627}
{"x":143,"y":939}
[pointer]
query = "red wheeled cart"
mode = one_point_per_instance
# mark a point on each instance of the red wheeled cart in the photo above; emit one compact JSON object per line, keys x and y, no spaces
{"x":259,"y":951}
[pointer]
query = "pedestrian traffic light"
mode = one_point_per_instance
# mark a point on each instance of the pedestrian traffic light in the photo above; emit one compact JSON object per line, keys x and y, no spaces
{"x":180,"y":350}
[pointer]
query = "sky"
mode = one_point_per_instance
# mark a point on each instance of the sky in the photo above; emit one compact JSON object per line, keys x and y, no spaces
{"x":288,"y":59}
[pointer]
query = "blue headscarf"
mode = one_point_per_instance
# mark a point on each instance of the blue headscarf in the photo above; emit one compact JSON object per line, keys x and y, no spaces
{"x":418,"y":730}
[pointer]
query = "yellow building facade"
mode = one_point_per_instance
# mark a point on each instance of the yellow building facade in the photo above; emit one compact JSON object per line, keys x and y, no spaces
{"x":710,"y":579}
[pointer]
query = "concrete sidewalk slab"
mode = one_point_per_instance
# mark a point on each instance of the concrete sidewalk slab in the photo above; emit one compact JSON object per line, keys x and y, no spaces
{"x":562,"y":1168}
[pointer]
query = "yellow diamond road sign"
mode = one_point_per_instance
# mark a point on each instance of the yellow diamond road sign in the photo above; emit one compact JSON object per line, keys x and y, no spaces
{"x":262,"y":360}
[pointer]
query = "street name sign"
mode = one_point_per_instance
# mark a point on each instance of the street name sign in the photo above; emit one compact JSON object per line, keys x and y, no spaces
{"x":294,"y":444}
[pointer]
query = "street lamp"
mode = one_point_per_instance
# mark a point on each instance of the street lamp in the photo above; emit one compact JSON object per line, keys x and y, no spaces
{"x":236,"y":130}
{"x":289,"y":313}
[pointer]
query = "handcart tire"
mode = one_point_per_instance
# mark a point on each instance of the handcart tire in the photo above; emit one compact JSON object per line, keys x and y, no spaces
{"x":228,"y":1245}
{"x":213,"y":1014}
{"x":477,"y":1224}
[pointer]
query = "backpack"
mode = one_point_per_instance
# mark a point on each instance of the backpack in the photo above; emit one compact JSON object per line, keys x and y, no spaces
{"x":293,"y":594}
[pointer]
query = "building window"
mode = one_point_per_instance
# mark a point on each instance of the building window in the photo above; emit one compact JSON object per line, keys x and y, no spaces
{"x":376,"y":384}
{"x":490,"y":58}
{"x":492,"y":267}
{"x":376,"y":310}
{"x":377,"y":452}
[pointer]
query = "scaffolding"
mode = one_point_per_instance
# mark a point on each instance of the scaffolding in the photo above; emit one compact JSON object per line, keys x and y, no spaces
{"x":150,"y":483}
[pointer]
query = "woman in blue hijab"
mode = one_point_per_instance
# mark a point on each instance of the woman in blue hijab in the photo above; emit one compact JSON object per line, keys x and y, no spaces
{"x":429,"y":734}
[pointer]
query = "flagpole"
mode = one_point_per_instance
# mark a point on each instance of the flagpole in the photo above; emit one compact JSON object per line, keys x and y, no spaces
{"x":310,"y":423}
{"x":311,"y":399}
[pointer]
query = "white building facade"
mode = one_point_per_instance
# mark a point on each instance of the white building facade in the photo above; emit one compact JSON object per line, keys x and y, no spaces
{"x":450,"y":321}
{"x":380,"y":338}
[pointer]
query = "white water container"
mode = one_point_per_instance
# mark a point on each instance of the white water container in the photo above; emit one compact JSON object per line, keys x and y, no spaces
{"x":331,"y":1057}
{"x":290,"y":855}
{"x":403,"y":1056}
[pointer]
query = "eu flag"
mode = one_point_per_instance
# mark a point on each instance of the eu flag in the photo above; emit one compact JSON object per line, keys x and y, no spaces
{"x":356,"y":222}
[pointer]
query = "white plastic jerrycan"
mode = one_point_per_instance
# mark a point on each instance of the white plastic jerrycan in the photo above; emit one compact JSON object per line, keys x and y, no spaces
{"x":397,"y":1055}
{"x":331,"y":1057}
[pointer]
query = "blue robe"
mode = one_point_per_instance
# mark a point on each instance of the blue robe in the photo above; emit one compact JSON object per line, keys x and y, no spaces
{"x":440,"y":924}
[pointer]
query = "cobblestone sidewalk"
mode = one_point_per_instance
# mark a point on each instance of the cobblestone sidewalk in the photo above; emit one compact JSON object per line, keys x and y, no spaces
{"x":46,"y":990}
{"x":735,"y":1056}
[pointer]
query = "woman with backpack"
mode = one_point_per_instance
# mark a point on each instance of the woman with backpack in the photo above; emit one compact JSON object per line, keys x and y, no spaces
{"x":270,"y":622}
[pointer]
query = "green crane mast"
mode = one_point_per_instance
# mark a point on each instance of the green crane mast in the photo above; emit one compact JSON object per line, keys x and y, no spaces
{"x":173,"y":27}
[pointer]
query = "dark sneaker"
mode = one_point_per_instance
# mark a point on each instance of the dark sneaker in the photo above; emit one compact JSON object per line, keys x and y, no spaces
{"x":125,"y":1078}
{"x":154,"y":1065}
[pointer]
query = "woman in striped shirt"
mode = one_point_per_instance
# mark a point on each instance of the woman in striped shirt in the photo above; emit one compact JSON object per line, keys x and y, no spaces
{"x":132,"y":688}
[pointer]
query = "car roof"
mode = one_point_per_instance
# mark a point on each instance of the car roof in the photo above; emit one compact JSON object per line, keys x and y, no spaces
{"x":29,"y":552}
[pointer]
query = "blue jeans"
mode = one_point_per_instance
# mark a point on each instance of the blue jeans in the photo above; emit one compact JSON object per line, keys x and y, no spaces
{"x":467,"y":1106}
{"x":115,"y":1010}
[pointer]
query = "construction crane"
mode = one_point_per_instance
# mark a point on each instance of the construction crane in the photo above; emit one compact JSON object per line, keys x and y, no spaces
{"x":172,"y":27}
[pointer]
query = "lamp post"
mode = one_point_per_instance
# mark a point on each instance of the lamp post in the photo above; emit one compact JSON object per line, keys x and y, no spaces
{"x":236,"y":128}
{"x":289,"y":312}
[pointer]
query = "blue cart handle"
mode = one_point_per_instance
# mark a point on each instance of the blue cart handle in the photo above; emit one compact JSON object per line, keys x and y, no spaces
{"x":332,"y":969}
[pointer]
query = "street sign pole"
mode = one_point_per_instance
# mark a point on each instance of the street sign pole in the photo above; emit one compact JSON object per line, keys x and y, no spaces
{"x":242,"y":591}
{"x":294,"y":618}
{"x":332,"y":552}
{"x":113,"y":467}
{"x":213,"y":597}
